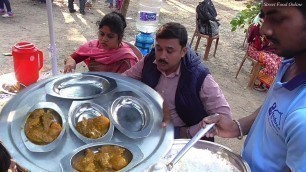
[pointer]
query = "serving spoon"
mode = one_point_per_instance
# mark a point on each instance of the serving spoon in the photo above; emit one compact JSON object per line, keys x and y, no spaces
{"x":167,"y":167}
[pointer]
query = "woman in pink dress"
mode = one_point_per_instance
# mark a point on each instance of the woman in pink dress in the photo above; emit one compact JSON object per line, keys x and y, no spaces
{"x":108,"y":53}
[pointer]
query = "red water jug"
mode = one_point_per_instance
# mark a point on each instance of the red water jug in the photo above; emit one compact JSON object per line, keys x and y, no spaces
{"x":28,"y":60}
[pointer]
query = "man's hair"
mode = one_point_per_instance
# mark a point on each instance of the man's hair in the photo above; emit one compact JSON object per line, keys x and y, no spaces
{"x":115,"y":21}
{"x":173,"y":31}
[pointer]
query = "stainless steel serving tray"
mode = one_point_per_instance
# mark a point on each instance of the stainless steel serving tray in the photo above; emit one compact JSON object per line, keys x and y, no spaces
{"x":153,"y":147}
{"x":80,"y":86}
{"x":88,"y":109}
{"x":59,"y":118}
{"x":137,"y":155}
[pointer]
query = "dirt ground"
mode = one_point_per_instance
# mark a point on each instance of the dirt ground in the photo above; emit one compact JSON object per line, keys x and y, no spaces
{"x":30,"y":23}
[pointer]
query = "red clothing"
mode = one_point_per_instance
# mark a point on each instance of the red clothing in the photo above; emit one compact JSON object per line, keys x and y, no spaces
{"x":259,"y":50}
{"x":99,"y":59}
{"x":257,"y":40}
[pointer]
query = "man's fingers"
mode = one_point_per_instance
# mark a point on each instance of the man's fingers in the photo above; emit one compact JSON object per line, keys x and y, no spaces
{"x":212,"y":132}
{"x":166,"y":113}
{"x":212,"y":119}
{"x":69,"y":69}
{"x":166,"y":119}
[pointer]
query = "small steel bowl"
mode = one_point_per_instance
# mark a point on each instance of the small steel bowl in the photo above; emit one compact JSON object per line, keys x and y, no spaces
{"x":132,"y":116}
{"x":80,"y":110}
{"x":58,"y":116}
{"x":132,"y":152}
{"x":80,"y":86}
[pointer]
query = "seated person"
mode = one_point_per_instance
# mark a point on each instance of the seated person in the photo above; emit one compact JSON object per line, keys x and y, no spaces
{"x":108,"y":53}
{"x":259,"y":49}
{"x":178,"y":75}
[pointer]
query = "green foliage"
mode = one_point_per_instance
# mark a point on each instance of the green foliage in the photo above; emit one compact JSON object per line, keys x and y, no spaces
{"x":245,"y":17}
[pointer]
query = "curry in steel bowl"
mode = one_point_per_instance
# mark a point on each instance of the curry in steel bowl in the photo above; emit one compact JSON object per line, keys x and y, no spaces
{"x":93,"y":128}
{"x":42,"y":127}
{"x":107,"y":158}
{"x":89,"y":121}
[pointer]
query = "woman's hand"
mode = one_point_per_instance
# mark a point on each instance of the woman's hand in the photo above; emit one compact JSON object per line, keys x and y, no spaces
{"x":224,"y":126}
{"x":70,"y":65}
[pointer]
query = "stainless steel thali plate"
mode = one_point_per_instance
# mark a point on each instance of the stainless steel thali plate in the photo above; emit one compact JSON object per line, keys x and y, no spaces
{"x":50,"y":119}
{"x":80,"y":86}
{"x":12,"y":119}
{"x":132,"y":154}
{"x":86,"y":110}
{"x":132,"y":116}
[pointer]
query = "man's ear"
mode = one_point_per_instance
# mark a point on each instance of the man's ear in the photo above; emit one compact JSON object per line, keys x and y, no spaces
{"x":183,"y":52}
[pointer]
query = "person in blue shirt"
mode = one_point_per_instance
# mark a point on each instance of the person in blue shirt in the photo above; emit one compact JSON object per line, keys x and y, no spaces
{"x":276,"y":131}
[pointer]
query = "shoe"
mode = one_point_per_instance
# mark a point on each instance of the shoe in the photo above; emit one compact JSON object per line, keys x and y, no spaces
{"x":82,"y":12}
{"x":260,"y":87}
{"x":8,"y":15}
{"x":2,"y":11}
{"x":72,"y":10}
{"x":88,"y":4}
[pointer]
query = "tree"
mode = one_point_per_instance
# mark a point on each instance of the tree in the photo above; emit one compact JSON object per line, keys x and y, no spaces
{"x":125,"y":6}
{"x":245,"y":17}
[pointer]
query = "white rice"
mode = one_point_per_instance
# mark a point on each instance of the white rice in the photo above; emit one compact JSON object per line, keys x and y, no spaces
{"x":199,"y":160}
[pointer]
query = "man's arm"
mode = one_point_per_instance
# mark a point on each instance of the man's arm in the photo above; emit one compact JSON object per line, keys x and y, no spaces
{"x":135,"y":71}
{"x":247,"y":122}
{"x":227,"y":128}
{"x":214,"y":102}
{"x":213,"y":98}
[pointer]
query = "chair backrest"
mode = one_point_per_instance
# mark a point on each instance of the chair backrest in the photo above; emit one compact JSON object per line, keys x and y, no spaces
{"x":135,"y":50}
{"x":209,"y":28}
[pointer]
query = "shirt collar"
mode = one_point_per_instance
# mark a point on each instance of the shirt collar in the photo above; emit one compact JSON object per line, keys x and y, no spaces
{"x":296,"y":81}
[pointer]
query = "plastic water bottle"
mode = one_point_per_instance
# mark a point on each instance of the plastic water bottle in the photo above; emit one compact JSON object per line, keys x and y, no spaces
{"x":144,"y":42}
{"x":148,"y":15}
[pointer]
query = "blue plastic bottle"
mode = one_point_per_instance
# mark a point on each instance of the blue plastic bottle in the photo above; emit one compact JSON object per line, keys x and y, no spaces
{"x":144,"y":42}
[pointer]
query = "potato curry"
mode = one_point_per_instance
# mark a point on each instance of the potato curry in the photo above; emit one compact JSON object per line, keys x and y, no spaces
{"x":93,"y":127}
{"x":41,"y":126}
{"x":108,"y":158}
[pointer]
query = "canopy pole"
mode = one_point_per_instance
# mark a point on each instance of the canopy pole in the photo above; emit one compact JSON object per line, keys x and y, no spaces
{"x":52,"y":46}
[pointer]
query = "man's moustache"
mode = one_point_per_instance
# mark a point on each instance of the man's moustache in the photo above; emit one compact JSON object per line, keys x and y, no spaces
{"x":162,"y":61}
{"x":272,"y":40}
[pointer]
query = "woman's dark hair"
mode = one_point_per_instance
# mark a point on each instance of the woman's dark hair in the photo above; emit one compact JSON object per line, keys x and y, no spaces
{"x":115,"y":21}
{"x":173,"y":31}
